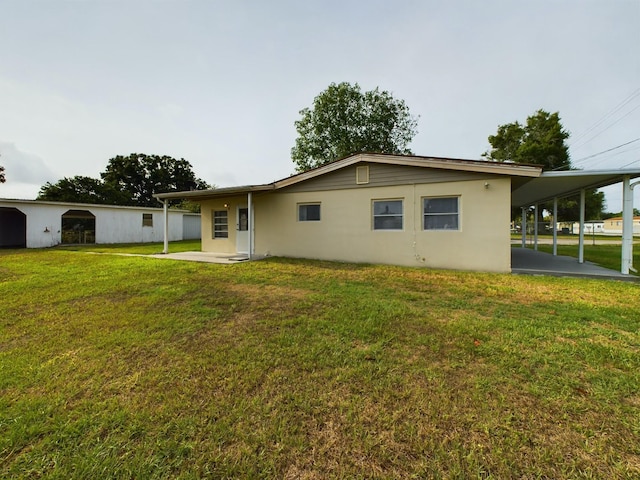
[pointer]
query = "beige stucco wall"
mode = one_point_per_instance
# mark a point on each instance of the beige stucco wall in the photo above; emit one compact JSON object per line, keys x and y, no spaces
{"x":221,"y":245}
{"x":345,"y":231}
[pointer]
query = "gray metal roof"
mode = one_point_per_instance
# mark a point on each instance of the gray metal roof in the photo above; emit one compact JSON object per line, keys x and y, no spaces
{"x":563,"y":184}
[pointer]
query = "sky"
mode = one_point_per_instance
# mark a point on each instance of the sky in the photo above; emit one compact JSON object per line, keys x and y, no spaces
{"x":220,"y":83}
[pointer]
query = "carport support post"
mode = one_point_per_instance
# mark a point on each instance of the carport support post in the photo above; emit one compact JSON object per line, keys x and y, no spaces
{"x":250,"y":223}
{"x":555,"y":226}
{"x":165,"y":209}
{"x":535,"y":227}
{"x":627,"y":224}
{"x":581,"y":236}
{"x":524,"y":227}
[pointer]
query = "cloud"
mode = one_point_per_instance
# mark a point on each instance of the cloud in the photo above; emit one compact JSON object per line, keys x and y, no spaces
{"x":25,"y":172}
{"x":23,"y":167}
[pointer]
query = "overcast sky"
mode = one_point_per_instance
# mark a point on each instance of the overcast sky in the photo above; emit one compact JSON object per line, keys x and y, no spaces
{"x":220,"y":83}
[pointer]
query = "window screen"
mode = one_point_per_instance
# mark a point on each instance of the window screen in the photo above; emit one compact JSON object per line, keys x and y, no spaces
{"x":387,"y":215}
{"x":441,"y":213}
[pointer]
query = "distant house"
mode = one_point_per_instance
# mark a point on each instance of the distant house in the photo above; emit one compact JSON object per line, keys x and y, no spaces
{"x":614,"y":225}
{"x":402,"y":210}
{"x":590,"y":226}
{"x":37,"y":224}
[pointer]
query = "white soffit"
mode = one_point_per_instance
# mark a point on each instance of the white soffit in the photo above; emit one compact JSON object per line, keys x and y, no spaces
{"x":562,"y":184}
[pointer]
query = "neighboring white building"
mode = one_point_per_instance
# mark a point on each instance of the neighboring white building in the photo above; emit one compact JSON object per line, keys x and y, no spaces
{"x":590,"y":226}
{"x":38,"y":224}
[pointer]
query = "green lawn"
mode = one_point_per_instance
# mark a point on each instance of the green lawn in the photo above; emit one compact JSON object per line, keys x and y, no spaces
{"x":608,"y":256}
{"x":135,"y":248}
{"x":133,"y":367}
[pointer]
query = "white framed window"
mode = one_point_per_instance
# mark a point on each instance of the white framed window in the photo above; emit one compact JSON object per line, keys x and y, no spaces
{"x":147,"y":219}
{"x":308,"y":212}
{"x":441,"y":213}
{"x":220,"y":221}
{"x":387,"y":214}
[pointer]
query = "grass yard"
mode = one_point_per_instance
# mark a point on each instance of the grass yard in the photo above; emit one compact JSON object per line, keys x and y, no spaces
{"x":132,"y":367}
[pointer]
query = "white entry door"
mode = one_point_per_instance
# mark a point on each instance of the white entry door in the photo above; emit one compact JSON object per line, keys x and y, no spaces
{"x":242,"y":230}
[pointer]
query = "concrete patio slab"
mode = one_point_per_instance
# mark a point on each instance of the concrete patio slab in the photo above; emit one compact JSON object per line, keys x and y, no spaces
{"x":527,"y":261}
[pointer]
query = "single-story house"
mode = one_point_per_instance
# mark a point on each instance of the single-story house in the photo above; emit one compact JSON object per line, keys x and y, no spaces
{"x":394,"y":209}
{"x":613,"y":225}
{"x":372,"y":208}
{"x":38,"y":224}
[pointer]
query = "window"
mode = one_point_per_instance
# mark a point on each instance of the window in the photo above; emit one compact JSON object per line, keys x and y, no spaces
{"x":309,"y":212}
{"x":220,"y":224}
{"x":243,"y":219}
{"x":387,"y":214}
{"x":147,"y":220}
{"x":441,"y":213}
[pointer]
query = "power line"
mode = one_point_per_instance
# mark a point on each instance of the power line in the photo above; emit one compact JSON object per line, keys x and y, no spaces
{"x":609,"y":114}
{"x":607,"y":150}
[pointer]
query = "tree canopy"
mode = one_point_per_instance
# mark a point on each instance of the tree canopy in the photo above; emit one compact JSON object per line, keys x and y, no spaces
{"x":541,"y":141}
{"x":81,"y":189}
{"x":140,"y":176}
{"x":130,"y":180}
{"x":344,"y":120}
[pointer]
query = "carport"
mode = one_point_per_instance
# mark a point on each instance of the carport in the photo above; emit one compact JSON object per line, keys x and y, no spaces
{"x":551,"y":186}
{"x":13,"y":233}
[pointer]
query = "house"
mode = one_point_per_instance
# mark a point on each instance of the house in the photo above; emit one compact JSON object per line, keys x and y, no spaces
{"x":613,"y":225}
{"x":37,"y":224}
{"x":372,"y":208}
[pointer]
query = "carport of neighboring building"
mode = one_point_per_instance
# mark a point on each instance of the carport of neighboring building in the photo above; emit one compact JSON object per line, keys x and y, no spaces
{"x":13,"y":233}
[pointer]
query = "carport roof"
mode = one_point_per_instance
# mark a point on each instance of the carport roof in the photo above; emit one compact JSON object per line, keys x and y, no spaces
{"x":550,"y":185}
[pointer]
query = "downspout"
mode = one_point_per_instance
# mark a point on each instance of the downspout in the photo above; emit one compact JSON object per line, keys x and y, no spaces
{"x":581,"y":237}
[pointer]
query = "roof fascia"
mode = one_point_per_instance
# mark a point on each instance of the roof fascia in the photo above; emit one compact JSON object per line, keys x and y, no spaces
{"x":215,"y":192}
{"x":511,"y":169}
{"x":73,"y":205}
{"x":479,"y":166}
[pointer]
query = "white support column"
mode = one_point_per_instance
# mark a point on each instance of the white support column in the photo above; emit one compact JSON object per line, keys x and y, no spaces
{"x":535,"y":227}
{"x":555,"y":226}
{"x":250,"y":223}
{"x":627,"y":225}
{"x":524,"y":227}
{"x":582,"y":214}
{"x":165,"y":208}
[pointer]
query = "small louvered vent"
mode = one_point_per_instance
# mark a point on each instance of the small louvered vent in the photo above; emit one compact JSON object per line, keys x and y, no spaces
{"x":362,"y":175}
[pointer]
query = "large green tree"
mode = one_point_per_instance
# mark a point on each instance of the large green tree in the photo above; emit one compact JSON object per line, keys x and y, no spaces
{"x":81,"y":189}
{"x":127,"y":180}
{"x":541,"y":140}
{"x":140,"y":176}
{"x":344,"y":120}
